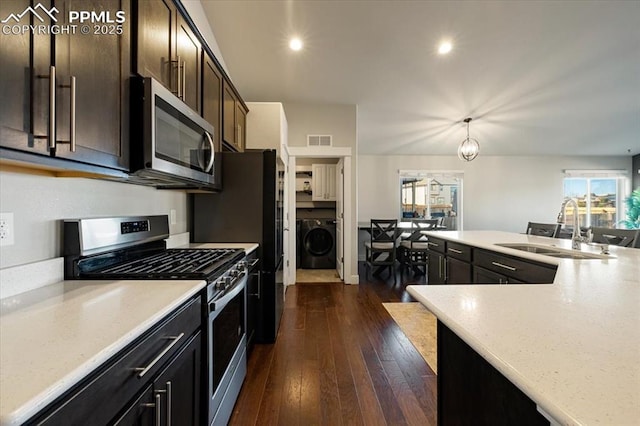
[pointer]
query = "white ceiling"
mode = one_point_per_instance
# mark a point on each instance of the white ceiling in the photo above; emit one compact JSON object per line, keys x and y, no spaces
{"x":536,"y":77}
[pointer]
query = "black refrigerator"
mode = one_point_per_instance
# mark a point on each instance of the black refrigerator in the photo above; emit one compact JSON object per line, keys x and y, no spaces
{"x":249,"y":209}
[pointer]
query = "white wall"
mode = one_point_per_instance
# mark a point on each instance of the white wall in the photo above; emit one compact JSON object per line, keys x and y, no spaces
{"x":39,"y":201}
{"x":338,"y":120}
{"x":499,"y":193}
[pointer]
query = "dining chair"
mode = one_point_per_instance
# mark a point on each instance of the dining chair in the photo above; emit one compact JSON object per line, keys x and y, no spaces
{"x":380,"y":250}
{"x":544,"y":229}
{"x":616,"y":237}
{"x":414,"y":249}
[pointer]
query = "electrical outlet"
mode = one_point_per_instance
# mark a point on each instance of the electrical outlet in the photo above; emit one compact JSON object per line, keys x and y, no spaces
{"x":173,"y":217}
{"x":6,"y":229}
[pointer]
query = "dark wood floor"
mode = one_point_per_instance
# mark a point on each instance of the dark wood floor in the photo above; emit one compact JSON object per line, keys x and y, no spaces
{"x":339,"y":359}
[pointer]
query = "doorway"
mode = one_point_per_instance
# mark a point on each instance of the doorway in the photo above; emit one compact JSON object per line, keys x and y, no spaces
{"x":321,"y":213}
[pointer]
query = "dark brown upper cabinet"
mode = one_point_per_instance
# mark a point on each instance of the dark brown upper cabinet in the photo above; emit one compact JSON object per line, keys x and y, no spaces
{"x":168,"y":50}
{"x":212,"y":97}
{"x":234,"y":114}
{"x":73,"y":105}
{"x":100,"y":64}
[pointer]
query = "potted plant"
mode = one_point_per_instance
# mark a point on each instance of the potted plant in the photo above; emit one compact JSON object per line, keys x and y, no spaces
{"x":633,"y":210}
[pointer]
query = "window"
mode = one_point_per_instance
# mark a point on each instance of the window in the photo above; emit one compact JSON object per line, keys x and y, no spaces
{"x":431,"y":194}
{"x":599,"y":194}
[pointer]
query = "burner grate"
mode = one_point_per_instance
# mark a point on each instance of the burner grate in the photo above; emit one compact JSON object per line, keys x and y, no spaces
{"x":175,"y":261}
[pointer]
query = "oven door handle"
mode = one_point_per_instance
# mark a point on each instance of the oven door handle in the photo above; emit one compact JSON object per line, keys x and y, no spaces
{"x":240,"y":284}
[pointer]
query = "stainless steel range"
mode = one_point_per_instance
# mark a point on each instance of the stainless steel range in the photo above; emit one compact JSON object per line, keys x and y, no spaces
{"x":135,"y":248}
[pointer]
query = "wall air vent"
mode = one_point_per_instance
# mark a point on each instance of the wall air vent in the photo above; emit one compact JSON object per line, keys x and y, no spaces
{"x":319,"y":140}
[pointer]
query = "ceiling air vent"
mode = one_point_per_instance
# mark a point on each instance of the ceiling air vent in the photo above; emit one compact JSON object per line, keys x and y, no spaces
{"x":318,"y":140}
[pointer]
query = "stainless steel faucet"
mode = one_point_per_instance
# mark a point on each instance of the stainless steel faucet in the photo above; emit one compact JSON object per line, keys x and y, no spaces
{"x":576,"y":238}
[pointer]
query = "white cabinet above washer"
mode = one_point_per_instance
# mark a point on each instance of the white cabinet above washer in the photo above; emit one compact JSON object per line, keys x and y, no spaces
{"x":324,"y":182}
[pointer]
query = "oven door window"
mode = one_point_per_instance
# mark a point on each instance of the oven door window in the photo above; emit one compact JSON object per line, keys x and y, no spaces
{"x":179,"y":140}
{"x":228,"y":329}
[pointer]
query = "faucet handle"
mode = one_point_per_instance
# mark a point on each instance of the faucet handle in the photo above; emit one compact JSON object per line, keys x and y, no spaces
{"x":589,"y":236}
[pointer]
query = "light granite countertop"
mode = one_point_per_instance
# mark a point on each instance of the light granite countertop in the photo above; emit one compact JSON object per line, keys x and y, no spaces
{"x":573,"y":346}
{"x":53,"y":336}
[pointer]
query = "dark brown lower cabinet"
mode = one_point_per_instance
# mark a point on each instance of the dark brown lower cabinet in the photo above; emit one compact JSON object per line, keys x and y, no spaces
{"x":485,"y":276}
{"x":516,"y":270}
{"x":153,"y":379}
{"x":436,"y":270}
{"x":472,"y":392}
{"x":175,"y":397}
{"x":458,"y":272}
{"x":143,"y":411}
{"x":179,"y":387}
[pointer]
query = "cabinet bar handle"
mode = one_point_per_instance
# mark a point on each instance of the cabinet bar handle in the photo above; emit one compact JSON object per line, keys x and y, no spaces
{"x":455,"y":251}
{"x":184,"y":80}
{"x":433,"y":244}
{"x":52,"y":107}
{"x":446,"y":271}
{"x":511,"y":268}
{"x":169,"y":403}
{"x":155,"y":405}
{"x":178,"y":79}
{"x":144,"y":370}
{"x":72,"y":117}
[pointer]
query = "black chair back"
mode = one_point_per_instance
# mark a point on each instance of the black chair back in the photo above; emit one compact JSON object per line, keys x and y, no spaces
{"x":384,"y":230}
{"x":419,"y":225}
{"x":544,"y":229}
{"x":616,"y":237}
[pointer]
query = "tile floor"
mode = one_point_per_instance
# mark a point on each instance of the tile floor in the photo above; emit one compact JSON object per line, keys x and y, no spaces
{"x":317,"y":276}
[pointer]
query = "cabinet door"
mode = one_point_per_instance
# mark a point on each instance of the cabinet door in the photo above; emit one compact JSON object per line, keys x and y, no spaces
{"x":228,"y":115}
{"x":436,"y":272}
{"x":188,"y":54}
{"x":319,"y":188}
{"x":458,"y":272}
{"x":100,"y":64}
{"x":212,"y":97}
{"x":331,"y":183}
{"x":241,"y":126}
{"x":253,"y":304}
{"x":20,"y":117}
{"x":522,"y":270}
{"x":155,"y":45}
{"x":141,"y":412}
{"x":179,"y":386}
{"x":485,"y":276}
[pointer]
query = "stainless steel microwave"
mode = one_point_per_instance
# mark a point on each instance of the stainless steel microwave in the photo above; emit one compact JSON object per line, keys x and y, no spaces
{"x":172,"y":146}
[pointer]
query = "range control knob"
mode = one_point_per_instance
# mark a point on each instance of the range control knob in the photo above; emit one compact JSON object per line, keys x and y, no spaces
{"x":220,"y":284}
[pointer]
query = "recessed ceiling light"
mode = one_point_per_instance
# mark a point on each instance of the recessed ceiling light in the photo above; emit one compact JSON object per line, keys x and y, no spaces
{"x":295,"y":44}
{"x":445,"y":47}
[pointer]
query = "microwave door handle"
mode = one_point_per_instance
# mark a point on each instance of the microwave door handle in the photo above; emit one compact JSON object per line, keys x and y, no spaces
{"x":213,"y":153}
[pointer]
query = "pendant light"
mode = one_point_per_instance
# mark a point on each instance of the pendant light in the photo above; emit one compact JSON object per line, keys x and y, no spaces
{"x":469,"y":148}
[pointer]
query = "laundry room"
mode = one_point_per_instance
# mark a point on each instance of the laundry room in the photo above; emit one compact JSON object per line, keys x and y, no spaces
{"x":316,"y":192}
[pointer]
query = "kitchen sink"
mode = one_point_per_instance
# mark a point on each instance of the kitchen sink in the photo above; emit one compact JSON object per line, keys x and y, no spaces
{"x":553,"y":251}
{"x":531,"y":248}
{"x":565,"y":255}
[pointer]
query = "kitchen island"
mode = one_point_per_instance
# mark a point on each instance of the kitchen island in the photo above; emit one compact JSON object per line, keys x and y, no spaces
{"x":572,"y":346}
